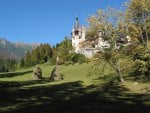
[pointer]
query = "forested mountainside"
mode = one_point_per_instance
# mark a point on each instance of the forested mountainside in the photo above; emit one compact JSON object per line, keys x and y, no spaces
{"x":14,"y":50}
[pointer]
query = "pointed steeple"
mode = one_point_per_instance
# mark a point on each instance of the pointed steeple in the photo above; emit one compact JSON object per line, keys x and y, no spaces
{"x":77,"y":23}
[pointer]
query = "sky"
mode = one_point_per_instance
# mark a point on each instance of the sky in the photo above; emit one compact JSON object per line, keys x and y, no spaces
{"x":46,"y":21}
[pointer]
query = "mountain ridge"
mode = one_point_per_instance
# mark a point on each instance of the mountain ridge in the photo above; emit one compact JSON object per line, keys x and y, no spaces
{"x":14,"y":50}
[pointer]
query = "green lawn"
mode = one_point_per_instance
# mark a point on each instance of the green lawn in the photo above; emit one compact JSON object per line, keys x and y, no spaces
{"x":77,"y":93}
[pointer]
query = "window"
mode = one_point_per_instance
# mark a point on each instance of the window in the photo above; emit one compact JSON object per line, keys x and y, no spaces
{"x":76,"y":32}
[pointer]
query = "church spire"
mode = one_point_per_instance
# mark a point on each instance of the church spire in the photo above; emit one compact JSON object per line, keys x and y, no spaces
{"x":76,"y":18}
{"x":77,"y":23}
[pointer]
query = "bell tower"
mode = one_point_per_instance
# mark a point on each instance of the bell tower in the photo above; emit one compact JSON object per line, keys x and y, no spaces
{"x":78,"y":34}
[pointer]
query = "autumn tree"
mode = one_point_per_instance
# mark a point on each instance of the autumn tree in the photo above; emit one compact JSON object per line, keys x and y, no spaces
{"x":111,"y":23}
{"x":138,"y":20}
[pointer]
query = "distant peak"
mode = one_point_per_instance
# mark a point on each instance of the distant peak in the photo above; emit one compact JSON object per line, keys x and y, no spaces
{"x":3,"y":39}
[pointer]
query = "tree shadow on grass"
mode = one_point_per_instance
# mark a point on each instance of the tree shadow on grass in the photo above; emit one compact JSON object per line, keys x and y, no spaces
{"x":15,"y":84}
{"x":13,"y":74}
{"x":72,"y":97}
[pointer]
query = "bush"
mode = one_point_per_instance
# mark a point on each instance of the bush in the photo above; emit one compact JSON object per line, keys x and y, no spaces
{"x":78,"y":58}
{"x":52,"y":61}
{"x":141,"y":58}
{"x":139,"y":67}
{"x":61,"y":62}
{"x":68,"y":63}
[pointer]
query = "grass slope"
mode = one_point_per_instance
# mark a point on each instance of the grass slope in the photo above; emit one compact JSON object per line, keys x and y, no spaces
{"x":77,"y":93}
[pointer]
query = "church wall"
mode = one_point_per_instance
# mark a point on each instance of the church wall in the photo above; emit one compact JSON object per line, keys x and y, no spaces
{"x":82,"y":45}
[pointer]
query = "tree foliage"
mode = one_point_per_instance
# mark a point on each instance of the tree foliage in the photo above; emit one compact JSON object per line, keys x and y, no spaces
{"x":141,"y":56}
{"x":115,"y":25}
{"x":39,"y":55}
{"x":63,"y":49}
{"x":138,"y":19}
{"x":65,"y":52}
{"x":7,"y":65}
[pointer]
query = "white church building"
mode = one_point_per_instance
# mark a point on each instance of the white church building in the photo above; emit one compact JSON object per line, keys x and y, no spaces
{"x":82,"y":45}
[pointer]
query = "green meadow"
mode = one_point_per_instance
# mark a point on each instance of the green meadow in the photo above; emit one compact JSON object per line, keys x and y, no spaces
{"x":77,"y":93}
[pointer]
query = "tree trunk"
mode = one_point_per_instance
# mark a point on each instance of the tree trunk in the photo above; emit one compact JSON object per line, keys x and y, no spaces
{"x":147,"y":37}
{"x":119,"y":76}
{"x":119,"y":73}
{"x":142,"y":38}
{"x":146,"y":31}
{"x":145,"y":28}
{"x":117,"y":69}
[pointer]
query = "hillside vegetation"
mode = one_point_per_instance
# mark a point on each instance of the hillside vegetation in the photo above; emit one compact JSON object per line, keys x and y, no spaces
{"x":76,"y":93}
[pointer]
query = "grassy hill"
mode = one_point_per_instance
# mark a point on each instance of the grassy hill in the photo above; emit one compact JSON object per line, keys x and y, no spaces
{"x":77,"y":93}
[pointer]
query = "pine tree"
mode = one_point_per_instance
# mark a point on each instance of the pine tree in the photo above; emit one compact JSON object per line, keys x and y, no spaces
{"x":22,"y":63}
{"x":28,"y":59}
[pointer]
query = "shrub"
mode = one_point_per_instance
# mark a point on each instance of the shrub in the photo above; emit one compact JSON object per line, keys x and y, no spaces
{"x":52,"y":61}
{"x":78,"y":58}
{"x":141,"y":58}
{"x":68,"y":63}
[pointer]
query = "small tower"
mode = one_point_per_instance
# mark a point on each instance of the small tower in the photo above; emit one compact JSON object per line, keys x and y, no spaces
{"x":78,"y":34}
{"x":77,"y":26}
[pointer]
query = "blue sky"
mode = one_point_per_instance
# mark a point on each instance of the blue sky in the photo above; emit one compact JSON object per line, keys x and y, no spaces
{"x":46,"y":21}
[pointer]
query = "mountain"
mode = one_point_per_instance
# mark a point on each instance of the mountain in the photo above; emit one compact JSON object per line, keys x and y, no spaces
{"x":14,"y":50}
